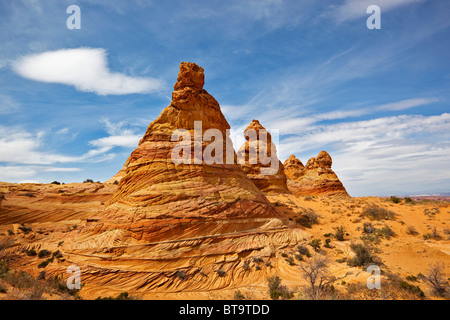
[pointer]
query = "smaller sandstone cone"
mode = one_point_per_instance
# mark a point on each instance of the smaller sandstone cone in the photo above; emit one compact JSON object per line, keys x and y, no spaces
{"x":293,"y":167}
{"x":315,"y":178}
{"x":267,"y":174}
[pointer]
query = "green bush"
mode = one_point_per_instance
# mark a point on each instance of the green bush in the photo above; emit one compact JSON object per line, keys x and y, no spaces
{"x":394,"y":199}
{"x":44,"y":253}
{"x":238,"y":295}
{"x":31,"y":252}
{"x":315,"y":243}
{"x":411,"y":288}
{"x":308,"y":218}
{"x":339,"y":233}
{"x":374,"y":212}
{"x":303,"y":251}
{"x":363,"y":256}
{"x":276,"y":290}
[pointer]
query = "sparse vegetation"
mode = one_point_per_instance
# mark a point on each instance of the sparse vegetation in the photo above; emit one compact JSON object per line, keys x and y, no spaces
{"x":302,"y":250}
{"x":339,"y":233}
{"x":308,"y":218}
{"x":436,"y":280}
{"x":278,"y":291}
{"x":221,"y":273}
{"x":374,"y":212}
{"x":56,"y":182}
{"x":181,"y":275}
{"x":363,"y":256}
{"x":122,"y":296}
{"x":431,"y":212}
{"x":88,"y":181}
{"x":411,"y":231}
{"x":44,"y":253}
{"x":394,"y":199}
{"x":320,"y":280}
{"x":315,"y":244}
{"x":432,"y":235}
{"x":238,"y":295}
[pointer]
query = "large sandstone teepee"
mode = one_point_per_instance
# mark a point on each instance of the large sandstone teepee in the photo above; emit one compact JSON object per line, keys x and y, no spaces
{"x":173,"y":226}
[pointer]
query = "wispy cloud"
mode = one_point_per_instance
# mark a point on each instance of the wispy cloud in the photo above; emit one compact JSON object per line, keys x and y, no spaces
{"x":86,"y":69}
{"x":119,"y":136}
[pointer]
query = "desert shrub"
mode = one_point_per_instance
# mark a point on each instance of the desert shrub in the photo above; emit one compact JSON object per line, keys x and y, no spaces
{"x":408,"y":200}
{"x":303,"y":251}
{"x":258,"y":260}
{"x":44,"y":253}
{"x":431,"y":211}
{"x":386,"y":232}
{"x":290,"y":260}
{"x":116,"y":182}
{"x":315,"y":244}
{"x":43,"y":264}
{"x":435,"y":278}
{"x":339,"y":233}
{"x":221,"y":273}
{"x":246,"y":266}
{"x":25,"y":229}
{"x":10,"y":232}
{"x":3,"y":268}
{"x":363,"y":256}
{"x":88,"y":181}
{"x":411,"y":278}
{"x":122,"y":296}
{"x":327,"y":243}
{"x":56,"y":182}
{"x":299,"y":257}
{"x":238,"y":295}
{"x":28,"y":194}
{"x":374,"y":212}
{"x":181,"y":275}
{"x":320,"y":280}
{"x":433,"y":235}
{"x":308,"y":218}
{"x":278,"y":291}
{"x":31,"y":252}
{"x":394,"y":199}
{"x":368,"y":227}
{"x":411,"y":231}
{"x":412,"y":288}
{"x":308,"y":198}
{"x":284,"y":255}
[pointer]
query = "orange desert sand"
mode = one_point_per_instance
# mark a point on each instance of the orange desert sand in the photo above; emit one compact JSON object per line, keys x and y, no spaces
{"x":159,"y":230}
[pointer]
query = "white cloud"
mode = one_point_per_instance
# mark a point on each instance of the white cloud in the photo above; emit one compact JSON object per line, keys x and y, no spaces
{"x":119,"y":136}
{"x":25,"y":173}
{"x":354,"y":9}
{"x":84,"y":68}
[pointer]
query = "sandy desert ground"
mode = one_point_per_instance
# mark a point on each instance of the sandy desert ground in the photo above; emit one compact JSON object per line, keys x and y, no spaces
{"x":39,"y":216}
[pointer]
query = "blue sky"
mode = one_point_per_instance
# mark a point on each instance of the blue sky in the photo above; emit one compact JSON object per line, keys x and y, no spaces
{"x":74,"y":103}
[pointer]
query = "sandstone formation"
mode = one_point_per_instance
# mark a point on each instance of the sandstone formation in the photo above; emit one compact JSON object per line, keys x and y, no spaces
{"x":316,"y":178}
{"x":293,"y":167}
{"x":269,"y":176}
{"x":174,"y":227}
